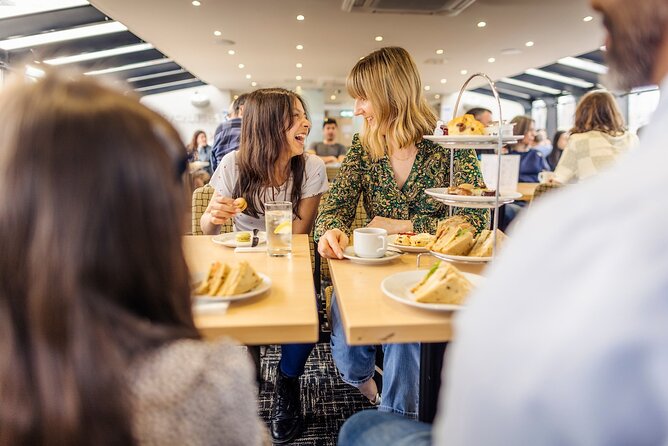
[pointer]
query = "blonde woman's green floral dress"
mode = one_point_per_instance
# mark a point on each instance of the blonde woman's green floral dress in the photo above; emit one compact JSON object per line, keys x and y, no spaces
{"x":381,"y":195}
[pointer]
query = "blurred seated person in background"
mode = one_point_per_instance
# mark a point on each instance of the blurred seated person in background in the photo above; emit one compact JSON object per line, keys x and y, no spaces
{"x":271,"y":165}
{"x":389,"y":165}
{"x":199,"y":150}
{"x":532,"y":162}
{"x":328,"y":150}
{"x":542,"y":143}
{"x":97,"y":339}
{"x":597,"y":139}
{"x":559,"y":143}
{"x":583,"y":362}
{"x":481,"y":114}
{"x":226,"y":139}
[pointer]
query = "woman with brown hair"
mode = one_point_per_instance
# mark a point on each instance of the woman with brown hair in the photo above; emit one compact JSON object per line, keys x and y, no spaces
{"x":271,"y":165}
{"x":97,"y":340}
{"x":597,"y":139}
{"x":390,"y":165}
{"x":532,"y":162}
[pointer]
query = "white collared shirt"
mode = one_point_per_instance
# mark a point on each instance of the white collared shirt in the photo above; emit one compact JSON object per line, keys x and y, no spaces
{"x":567,"y":341}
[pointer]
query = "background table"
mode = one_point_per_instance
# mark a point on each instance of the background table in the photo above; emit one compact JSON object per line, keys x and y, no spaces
{"x":285,"y":314}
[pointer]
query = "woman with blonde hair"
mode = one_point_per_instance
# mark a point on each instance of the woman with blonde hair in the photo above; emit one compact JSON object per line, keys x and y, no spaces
{"x":597,"y":139}
{"x":389,"y":165}
{"x":97,"y":339}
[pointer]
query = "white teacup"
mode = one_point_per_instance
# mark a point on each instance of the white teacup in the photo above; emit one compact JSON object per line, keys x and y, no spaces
{"x":370,"y":243}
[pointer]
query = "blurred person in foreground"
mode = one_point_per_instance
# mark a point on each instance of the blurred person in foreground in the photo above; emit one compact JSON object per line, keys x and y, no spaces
{"x":597,"y":139}
{"x":97,"y":339}
{"x":582,"y":360}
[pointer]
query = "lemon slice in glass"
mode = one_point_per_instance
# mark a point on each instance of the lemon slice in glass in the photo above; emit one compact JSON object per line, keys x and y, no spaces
{"x":284,"y":228}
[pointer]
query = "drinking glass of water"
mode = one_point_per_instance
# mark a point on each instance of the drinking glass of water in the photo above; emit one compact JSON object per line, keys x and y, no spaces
{"x":278,"y":219}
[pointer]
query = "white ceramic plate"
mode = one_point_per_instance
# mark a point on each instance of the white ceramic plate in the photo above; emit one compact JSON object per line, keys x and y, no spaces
{"x":442,"y":194}
{"x":398,"y":287}
{"x":391,"y":243}
{"x":202,"y":298}
{"x":228,"y":239}
{"x":349,"y":253}
{"x":483,"y":139}
{"x":462,"y":259}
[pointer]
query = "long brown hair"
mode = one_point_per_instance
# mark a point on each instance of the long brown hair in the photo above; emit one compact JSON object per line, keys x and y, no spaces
{"x":598,"y":110}
{"x":91,"y":272}
{"x":390,"y":79}
{"x":193,"y":142}
{"x":268,"y":115}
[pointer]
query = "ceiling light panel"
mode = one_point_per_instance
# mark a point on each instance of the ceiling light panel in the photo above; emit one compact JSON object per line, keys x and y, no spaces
{"x":169,"y":84}
{"x":559,"y":78}
{"x":131,"y":66}
{"x":583,"y":64}
{"x":155,"y":75}
{"x":530,"y":86}
{"x":62,"y":36}
{"x":100,"y":54}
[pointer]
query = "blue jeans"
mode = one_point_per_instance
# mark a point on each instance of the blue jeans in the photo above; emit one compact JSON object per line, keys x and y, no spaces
{"x":373,"y":428}
{"x":293,"y":358}
{"x":401,"y":368}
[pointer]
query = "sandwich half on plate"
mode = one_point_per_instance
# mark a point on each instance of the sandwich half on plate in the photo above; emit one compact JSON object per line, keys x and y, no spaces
{"x":443,"y":284}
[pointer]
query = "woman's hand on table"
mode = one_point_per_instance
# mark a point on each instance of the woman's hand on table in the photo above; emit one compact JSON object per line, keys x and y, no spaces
{"x":391,"y":225}
{"x":332,"y":243}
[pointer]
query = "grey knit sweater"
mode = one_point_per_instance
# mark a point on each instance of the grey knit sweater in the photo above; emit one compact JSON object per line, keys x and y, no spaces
{"x":195,"y":393}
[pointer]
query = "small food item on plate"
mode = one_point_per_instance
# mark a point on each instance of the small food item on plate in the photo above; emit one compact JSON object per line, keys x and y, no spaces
{"x":242,"y":279}
{"x":443,"y":284}
{"x":466,"y":189}
{"x":441,"y":129}
{"x":241,"y":204}
{"x":456,"y":241}
{"x":465,"y":125}
{"x":223,"y":280}
{"x":413,"y":239}
{"x":484,"y":243}
{"x":243,"y":237}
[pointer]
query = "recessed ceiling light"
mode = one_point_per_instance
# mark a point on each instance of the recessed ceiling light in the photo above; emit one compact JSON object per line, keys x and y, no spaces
{"x":298,"y":65}
{"x":241,"y":65}
{"x":196,"y":3}
{"x":463,"y":72}
{"x":61,"y":36}
{"x":588,"y":19}
{"x":443,"y":81}
{"x":427,"y":87}
{"x":299,"y":88}
{"x":231,"y":52}
{"x":333,"y":97}
{"x":131,"y":66}
{"x":482,"y":24}
{"x":529,"y":43}
{"x":603,"y":48}
{"x":378,"y":38}
{"x":99,"y":54}
{"x":248,"y":76}
{"x":439,"y":51}
{"x":236,"y":96}
{"x":300,"y":47}
{"x":300,"y":17}
{"x":298,"y":77}
{"x":217,"y":33}
{"x":491,"y":60}
{"x":253,"y":84}
{"x":437,"y":96}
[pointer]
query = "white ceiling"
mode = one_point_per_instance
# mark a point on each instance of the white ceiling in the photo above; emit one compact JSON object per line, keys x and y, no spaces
{"x":265,"y":33}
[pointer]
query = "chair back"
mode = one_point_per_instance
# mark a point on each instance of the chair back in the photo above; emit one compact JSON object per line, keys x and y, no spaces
{"x":544,"y":188}
{"x":201,"y":198}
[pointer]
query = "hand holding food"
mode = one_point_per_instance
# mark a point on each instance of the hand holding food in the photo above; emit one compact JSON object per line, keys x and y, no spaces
{"x":241,"y":203}
{"x":332,"y":243}
{"x":221,"y":209}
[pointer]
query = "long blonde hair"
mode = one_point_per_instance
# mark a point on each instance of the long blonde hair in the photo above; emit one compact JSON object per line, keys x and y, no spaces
{"x":389,"y":79}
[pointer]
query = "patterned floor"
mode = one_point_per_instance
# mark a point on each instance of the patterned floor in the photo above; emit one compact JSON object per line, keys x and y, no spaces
{"x":326,"y":400}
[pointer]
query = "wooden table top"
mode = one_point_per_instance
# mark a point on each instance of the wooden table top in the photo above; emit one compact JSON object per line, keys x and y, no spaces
{"x":285,"y":314}
{"x":370,"y":317}
{"x":527,"y":190}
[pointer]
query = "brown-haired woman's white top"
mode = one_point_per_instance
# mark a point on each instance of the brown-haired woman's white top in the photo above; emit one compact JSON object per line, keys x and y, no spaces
{"x":195,"y":393}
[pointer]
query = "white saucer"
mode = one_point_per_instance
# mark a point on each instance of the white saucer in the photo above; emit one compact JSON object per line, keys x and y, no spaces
{"x":349,"y":253}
